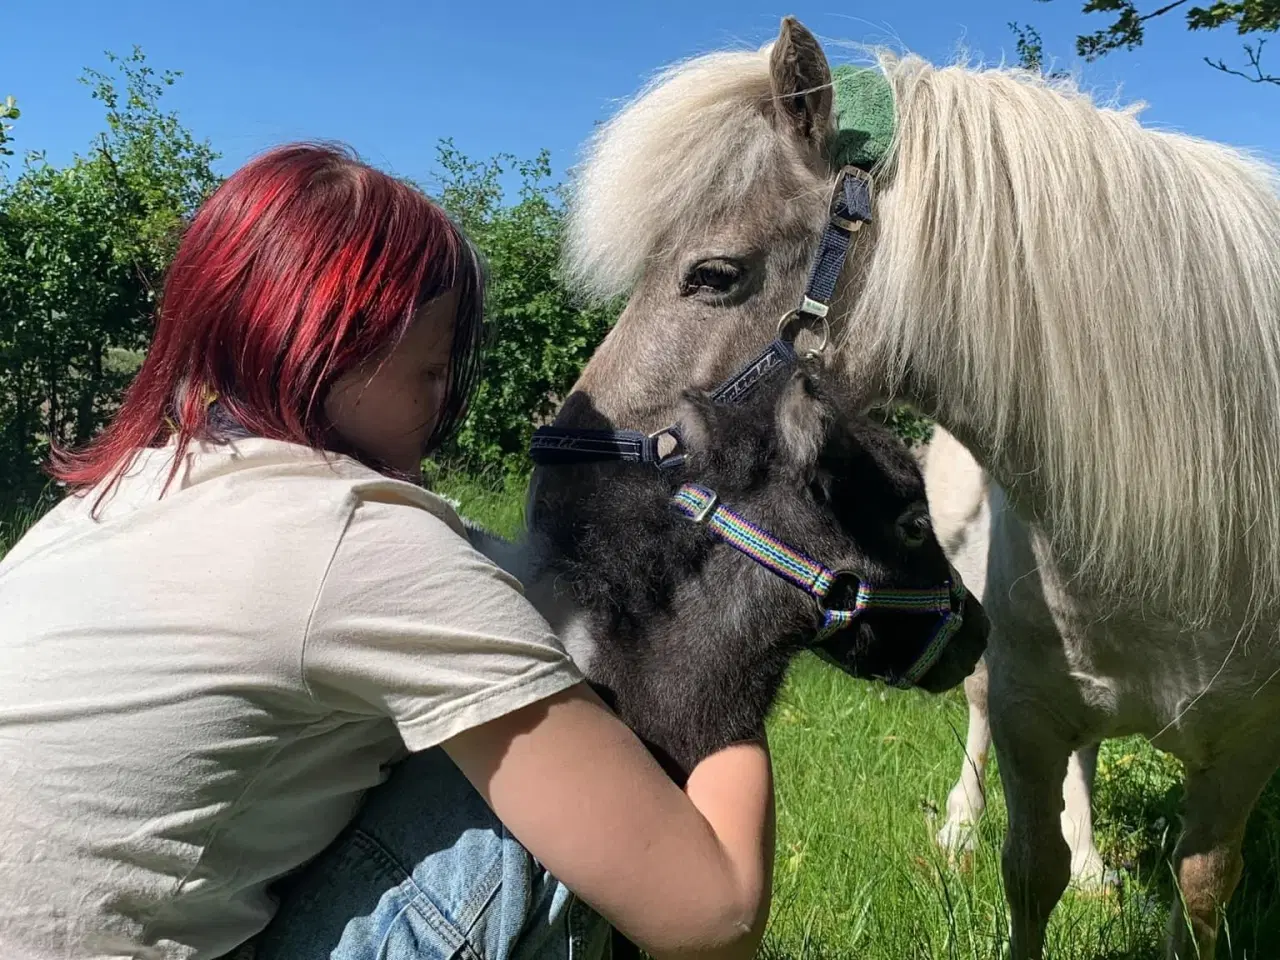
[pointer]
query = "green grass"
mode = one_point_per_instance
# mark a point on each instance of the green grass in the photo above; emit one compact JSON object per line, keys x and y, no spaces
{"x":14,"y":522}
{"x":862,"y":778}
{"x":863,"y":773}
{"x":496,"y":503}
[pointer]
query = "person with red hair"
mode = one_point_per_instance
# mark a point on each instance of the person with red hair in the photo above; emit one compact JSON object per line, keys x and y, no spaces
{"x":261,"y":697}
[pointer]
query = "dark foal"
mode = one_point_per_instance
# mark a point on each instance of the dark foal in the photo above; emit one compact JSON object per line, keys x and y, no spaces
{"x":689,"y":637}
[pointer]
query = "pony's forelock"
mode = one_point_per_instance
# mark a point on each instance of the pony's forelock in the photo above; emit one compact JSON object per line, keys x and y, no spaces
{"x":690,"y":147}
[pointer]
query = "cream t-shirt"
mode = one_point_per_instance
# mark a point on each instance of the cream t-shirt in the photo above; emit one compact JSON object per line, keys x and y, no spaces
{"x":196,"y":689}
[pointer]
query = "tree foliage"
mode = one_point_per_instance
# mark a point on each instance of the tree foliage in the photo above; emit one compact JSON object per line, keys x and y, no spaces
{"x":82,"y":250}
{"x":542,"y":334}
{"x":1127,"y":29}
{"x":8,"y":111}
{"x":1031,"y":50}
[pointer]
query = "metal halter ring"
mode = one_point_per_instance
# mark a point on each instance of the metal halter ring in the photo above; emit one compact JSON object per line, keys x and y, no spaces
{"x":787,"y":318}
{"x":677,"y":451}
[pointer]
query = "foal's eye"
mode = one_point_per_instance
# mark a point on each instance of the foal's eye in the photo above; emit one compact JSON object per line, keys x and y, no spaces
{"x":915,"y":527}
{"x":717,"y":275}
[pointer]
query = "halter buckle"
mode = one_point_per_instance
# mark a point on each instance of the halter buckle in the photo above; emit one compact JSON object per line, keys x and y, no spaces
{"x":852,"y":226}
{"x":707,"y":509}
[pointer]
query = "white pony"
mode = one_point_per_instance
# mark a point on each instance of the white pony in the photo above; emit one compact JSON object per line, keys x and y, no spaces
{"x":1090,"y":307}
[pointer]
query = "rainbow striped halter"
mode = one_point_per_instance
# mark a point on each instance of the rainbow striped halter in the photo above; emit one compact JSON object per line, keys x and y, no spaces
{"x":702,"y":505}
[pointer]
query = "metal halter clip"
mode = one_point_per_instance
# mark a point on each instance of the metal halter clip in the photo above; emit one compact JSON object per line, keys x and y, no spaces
{"x":676,"y":455}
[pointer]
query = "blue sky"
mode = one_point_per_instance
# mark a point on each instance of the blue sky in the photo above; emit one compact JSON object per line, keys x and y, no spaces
{"x":392,"y":77}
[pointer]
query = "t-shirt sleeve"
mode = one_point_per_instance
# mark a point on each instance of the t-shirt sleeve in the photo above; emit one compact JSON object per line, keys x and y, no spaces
{"x":411,"y":622}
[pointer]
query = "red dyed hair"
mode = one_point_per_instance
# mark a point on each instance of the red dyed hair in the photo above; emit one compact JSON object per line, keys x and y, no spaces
{"x":301,"y":266}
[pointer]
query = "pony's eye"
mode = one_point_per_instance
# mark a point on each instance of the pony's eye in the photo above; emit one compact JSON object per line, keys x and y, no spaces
{"x":717,"y":275}
{"x":915,"y":527}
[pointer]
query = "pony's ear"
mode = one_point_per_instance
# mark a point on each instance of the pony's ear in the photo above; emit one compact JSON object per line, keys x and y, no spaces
{"x":801,"y":82}
{"x":804,"y":421}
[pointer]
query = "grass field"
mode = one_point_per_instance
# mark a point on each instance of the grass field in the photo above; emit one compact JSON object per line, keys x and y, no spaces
{"x":863,"y":773}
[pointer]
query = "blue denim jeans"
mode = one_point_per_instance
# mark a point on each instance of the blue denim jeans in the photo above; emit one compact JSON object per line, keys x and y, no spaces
{"x":428,"y":872}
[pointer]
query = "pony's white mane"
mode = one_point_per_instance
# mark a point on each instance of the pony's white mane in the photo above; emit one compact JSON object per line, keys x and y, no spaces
{"x":1100,"y":302}
{"x":1103,"y":302}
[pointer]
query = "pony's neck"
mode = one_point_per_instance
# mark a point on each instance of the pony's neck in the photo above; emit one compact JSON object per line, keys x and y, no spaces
{"x":1003,"y":462}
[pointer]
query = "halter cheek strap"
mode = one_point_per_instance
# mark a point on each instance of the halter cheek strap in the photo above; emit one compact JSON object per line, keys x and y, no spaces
{"x":702,"y":505}
{"x":850,"y":209}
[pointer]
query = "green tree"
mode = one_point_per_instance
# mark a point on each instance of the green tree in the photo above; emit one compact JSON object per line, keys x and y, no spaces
{"x":82,"y":250}
{"x":8,"y":111}
{"x":1031,"y":50}
{"x":543,"y":334}
{"x":1127,"y":30}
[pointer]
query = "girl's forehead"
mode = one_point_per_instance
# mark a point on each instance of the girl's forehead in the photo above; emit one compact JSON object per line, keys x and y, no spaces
{"x":431,"y":330}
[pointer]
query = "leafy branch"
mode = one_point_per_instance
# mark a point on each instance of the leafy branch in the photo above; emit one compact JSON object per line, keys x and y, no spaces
{"x":1127,"y":30}
{"x":8,"y":111}
{"x":1255,"y":75}
{"x":1031,"y":50}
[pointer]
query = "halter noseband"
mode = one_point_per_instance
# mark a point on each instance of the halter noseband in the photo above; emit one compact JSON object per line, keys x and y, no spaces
{"x":553,"y":446}
{"x":701,"y":505}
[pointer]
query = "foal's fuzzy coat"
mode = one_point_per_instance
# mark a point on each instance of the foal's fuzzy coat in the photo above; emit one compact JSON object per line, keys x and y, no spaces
{"x":694,"y":637}
{"x":688,"y":638}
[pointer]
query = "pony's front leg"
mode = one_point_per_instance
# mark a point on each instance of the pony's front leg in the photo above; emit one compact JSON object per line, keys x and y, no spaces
{"x":1036,"y":861}
{"x":967,"y":801}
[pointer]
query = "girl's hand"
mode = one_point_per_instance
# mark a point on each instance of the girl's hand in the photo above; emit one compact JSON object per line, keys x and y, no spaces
{"x":681,"y":873}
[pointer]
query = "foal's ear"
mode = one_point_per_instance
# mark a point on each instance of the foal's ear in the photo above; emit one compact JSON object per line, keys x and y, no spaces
{"x":804,"y":420}
{"x":697,"y":418}
{"x":801,"y":82}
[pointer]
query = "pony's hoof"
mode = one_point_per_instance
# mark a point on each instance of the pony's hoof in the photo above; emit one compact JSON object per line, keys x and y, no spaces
{"x":1094,"y":879}
{"x":958,"y":839}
